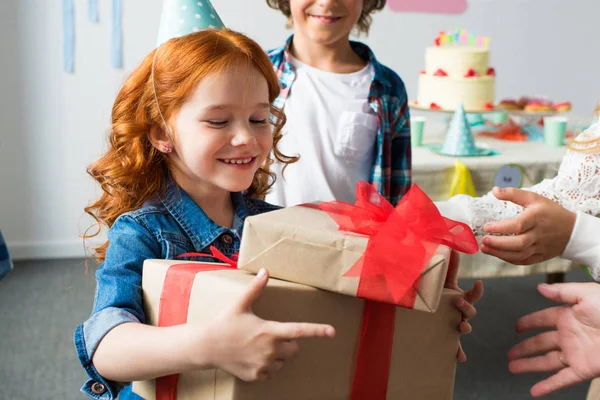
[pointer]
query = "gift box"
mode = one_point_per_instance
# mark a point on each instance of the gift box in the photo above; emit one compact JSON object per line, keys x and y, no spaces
{"x":380,"y":351}
{"x":370,"y":250}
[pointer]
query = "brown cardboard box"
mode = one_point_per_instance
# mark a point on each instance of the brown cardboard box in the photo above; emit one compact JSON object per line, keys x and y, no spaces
{"x":423,"y":358}
{"x":304,"y":245}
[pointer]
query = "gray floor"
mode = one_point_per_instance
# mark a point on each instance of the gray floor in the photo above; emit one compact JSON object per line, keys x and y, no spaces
{"x":42,"y":302}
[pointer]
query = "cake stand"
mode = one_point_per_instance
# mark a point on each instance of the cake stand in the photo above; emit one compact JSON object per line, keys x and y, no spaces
{"x":529,"y":121}
{"x":414,"y":106}
{"x":528,"y":117}
{"x":475,"y":116}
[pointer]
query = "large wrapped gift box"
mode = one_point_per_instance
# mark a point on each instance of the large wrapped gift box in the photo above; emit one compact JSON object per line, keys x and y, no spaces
{"x":392,"y":353}
{"x":370,"y":250}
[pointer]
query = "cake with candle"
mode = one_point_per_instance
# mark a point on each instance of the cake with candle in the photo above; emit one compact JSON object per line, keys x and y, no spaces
{"x":457,"y":71}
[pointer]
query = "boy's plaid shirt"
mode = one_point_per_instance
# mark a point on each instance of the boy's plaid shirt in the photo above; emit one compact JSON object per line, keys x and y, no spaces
{"x":391,"y":170}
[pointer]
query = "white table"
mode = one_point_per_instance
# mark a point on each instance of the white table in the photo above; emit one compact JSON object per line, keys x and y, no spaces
{"x":432,"y":172}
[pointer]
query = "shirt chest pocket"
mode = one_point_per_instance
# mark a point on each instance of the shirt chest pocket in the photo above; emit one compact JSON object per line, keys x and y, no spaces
{"x":356,"y":135}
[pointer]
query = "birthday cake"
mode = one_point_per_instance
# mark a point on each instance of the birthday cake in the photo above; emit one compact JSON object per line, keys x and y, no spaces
{"x":457,"y":70}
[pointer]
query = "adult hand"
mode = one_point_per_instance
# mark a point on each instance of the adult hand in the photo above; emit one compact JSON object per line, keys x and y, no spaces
{"x":571,"y":347}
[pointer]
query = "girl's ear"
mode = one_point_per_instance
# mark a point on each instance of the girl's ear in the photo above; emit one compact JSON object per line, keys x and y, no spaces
{"x":160,"y":140}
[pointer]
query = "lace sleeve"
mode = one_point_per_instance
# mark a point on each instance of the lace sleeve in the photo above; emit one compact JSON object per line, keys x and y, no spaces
{"x":576,"y":188}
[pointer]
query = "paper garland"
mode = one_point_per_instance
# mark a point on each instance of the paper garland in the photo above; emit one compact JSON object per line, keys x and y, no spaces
{"x":117,"y":34}
{"x":93,"y":16}
{"x":68,"y":36}
{"x":93,"y":13}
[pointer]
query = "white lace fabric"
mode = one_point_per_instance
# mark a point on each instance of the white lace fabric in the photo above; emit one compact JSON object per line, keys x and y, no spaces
{"x":576,"y":187}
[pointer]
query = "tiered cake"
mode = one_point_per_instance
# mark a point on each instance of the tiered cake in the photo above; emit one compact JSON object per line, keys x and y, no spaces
{"x":457,"y":70}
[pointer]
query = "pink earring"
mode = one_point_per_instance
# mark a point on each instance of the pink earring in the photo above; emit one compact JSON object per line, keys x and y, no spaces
{"x":167,"y":149}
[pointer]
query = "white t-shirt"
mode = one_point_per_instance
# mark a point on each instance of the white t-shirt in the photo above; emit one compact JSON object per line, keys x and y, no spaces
{"x":331,"y":126}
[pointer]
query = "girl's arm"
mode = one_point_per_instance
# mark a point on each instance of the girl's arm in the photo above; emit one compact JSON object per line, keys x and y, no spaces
{"x":135,"y":352}
{"x":236,"y":341}
{"x":114,"y":346}
{"x":118,"y":300}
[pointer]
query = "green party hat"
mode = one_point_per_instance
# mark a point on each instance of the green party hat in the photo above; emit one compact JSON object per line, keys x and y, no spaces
{"x":182,"y":17}
{"x":459,"y":140}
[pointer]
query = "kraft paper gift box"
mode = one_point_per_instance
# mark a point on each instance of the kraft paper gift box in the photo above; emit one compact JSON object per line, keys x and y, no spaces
{"x":369,"y":250}
{"x":380,"y":351}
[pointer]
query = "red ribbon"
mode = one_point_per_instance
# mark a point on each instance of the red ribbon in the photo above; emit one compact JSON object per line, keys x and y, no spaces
{"x":233,"y":260}
{"x":175,"y":302}
{"x":374,"y":358}
{"x":402,"y":241}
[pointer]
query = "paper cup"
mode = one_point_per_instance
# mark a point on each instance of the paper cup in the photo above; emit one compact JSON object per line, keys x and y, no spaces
{"x":499,"y":118}
{"x":554,"y":131}
{"x":417,"y":126}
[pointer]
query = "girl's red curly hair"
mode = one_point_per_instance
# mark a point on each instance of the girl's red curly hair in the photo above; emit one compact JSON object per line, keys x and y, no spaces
{"x":132,"y":170}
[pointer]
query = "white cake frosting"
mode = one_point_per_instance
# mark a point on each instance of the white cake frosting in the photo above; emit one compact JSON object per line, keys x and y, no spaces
{"x":476,"y":92}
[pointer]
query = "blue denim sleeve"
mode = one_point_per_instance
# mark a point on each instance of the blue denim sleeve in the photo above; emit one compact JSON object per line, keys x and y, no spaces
{"x":118,"y":297}
{"x":5,"y":262}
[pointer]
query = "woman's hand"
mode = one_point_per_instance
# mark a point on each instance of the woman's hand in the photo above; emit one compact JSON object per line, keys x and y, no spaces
{"x":571,"y":347}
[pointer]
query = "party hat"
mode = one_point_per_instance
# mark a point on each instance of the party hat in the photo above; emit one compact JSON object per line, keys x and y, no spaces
{"x":182,"y":17}
{"x":459,"y":140}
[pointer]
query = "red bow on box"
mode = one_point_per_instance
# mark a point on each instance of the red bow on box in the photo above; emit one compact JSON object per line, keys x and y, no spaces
{"x":402,"y":240}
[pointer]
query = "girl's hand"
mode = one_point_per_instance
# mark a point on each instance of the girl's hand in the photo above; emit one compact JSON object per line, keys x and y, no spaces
{"x":251,"y":348}
{"x":465,"y":303}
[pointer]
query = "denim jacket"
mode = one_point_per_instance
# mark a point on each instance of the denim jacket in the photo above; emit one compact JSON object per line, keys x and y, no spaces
{"x":170,"y":225}
{"x":5,"y":262}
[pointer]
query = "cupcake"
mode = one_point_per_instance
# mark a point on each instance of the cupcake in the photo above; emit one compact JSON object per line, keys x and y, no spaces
{"x":562,"y":107}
